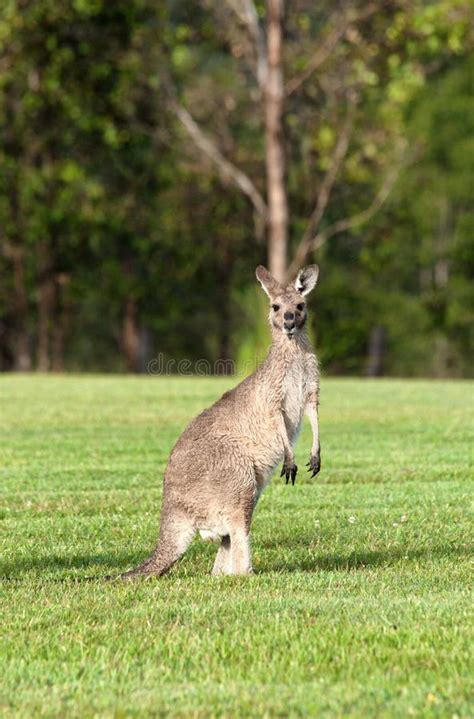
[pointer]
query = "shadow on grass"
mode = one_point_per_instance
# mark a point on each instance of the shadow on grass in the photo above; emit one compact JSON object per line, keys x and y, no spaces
{"x":353,"y":561}
{"x":366,"y":559}
{"x":17,"y":569}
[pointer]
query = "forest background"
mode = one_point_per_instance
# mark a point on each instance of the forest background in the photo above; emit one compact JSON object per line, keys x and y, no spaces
{"x":153,"y":153}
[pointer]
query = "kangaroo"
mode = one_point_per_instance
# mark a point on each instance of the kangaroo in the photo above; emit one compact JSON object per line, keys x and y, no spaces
{"x":226,"y":456}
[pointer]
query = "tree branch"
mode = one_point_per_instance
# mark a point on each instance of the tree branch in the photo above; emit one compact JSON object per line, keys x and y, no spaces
{"x":342,"y":23}
{"x":228,"y":171}
{"x":330,"y":177}
{"x":248,"y":16}
{"x":347,"y":223}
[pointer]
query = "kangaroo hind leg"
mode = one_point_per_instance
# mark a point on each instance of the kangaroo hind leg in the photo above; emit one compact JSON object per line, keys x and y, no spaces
{"x":223,"y":562}
{"x":240,"y":550}
{"x":233,"y":555}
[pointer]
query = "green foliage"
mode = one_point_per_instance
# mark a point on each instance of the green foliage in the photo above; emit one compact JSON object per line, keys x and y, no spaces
{"x":107,"y":207}
{"x":254,"y":337}
{"x":361,"y":600}
{"x":438,"y":219}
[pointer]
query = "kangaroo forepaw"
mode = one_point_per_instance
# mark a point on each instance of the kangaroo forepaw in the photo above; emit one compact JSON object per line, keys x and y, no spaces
{"x":289,"y":470}
{"x":314,"y":464}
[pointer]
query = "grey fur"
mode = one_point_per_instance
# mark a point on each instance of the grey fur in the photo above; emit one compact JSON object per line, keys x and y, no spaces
{"x":225,"y":457}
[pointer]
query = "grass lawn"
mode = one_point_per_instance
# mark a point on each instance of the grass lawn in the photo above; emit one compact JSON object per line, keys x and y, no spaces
{"x":360,"y":605}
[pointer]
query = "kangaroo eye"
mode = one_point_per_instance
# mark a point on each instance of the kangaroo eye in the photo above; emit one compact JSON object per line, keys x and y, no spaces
{"x":300,"y":307}
{"x":275,"y":308}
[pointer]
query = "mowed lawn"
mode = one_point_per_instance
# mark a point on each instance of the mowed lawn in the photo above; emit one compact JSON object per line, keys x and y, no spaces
{"x":360,"y":604}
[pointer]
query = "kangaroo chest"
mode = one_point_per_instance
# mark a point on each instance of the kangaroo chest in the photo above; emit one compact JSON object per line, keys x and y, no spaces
{"x":294,"y":396}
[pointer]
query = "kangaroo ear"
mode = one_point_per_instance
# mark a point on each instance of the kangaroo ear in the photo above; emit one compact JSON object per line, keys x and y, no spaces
{"x":306,"y":279}
{"x":269,"y":283}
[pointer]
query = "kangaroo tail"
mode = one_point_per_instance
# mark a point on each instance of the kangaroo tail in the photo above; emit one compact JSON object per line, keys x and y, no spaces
{"x":176,"y":535}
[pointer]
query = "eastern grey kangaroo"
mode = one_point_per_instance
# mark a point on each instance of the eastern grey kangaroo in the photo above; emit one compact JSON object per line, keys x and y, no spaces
{"x":225,"y":457}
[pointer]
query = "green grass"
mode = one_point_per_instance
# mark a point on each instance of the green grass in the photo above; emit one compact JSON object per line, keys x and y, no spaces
{"x":360,"y":605}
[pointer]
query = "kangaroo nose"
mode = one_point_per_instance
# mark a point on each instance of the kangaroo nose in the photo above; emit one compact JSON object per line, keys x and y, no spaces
{"x":289,"y":323}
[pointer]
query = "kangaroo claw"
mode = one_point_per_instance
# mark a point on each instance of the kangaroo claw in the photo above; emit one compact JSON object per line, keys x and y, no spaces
{"x":289,"y":471}
{"x":314,"y":464}
{"x":293,"y":472}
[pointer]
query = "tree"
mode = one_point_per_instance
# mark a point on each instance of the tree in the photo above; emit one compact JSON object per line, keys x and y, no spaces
{"x":71,"y":91}
{"x":351,"y":58}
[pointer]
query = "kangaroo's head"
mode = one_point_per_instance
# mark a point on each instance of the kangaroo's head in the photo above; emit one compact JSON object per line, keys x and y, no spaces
{"x":288,"y":307}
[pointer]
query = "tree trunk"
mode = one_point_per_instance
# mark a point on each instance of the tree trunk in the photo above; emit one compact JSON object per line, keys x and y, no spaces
{"x":45,"y":311}
{"x":58,"y":334}
{"x":145,"y":351}
{"x":273,"y":97}
{"x":223,"y":272}
{"x":21,"y":340}
{"x":131,"y":336}
{"x":376,"y":352}
{"x":441,"y":265}
{"x":46,"y":301}
{"x":15,"y":252}
{"x":224,"y":365}
{"x":57,"y":347}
